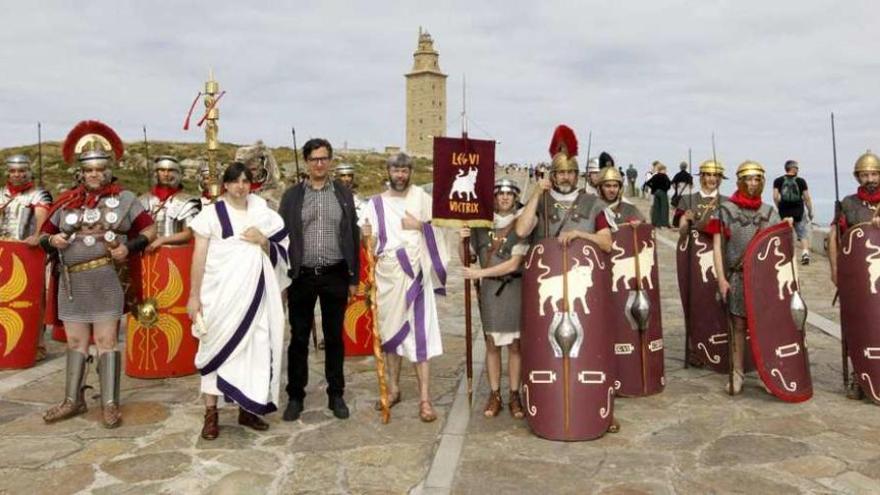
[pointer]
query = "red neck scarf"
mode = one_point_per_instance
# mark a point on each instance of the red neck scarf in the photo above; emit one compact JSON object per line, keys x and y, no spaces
{"x":164,"y":192}
{"x":256,"y":186}
{"x":80,"y":196}
{"x":16,"y":190}
{"x":206,"y":194}
{"x":745,"y":202}
{"x":864,"y":195}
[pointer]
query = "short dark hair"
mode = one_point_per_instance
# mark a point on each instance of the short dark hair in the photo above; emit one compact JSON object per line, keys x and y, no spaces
{"x":235,"y":170}
{"x":315,"y":143}
{"x":791,"y":163}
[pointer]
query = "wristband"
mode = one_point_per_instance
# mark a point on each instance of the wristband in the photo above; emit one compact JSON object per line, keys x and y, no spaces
{"x":137,"y":244}
{"x":47,"y":247}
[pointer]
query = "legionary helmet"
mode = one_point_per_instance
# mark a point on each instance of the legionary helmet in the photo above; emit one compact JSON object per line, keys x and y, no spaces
{"x":749,"y":168}
{"x":19,"y":162}
{"x":93,"y":143}
{"x":868,"y":162}
{"x":344,"y":169}
{"x":610,"y":174}
{"x":563,"y":150}
{"x":592,"y":166}
{"x":166,"y":162}
{"x":712,"y":167}
{"x":506,"y":185}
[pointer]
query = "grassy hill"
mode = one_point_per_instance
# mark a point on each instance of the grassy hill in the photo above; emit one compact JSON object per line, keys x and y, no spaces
{"x":57,"y":175}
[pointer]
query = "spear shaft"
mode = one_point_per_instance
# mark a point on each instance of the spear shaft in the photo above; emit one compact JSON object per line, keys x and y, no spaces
{"x":40,"y":154}
{"x":844,"y":352}
{"x":295,"y":155}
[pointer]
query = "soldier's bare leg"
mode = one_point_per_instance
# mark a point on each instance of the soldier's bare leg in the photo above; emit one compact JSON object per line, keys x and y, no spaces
{"x":739,"y":344}
{"x":493,"y":371}
{"x":392,"y":364}
{"x":514,"y":368}
{"x":426,"y":410}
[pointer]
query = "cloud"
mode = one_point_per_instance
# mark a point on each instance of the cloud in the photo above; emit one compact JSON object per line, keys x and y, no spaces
{"x":649,"y":79}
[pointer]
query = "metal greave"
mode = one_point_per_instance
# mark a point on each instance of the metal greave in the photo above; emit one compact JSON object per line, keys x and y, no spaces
{"x":109,"y":368}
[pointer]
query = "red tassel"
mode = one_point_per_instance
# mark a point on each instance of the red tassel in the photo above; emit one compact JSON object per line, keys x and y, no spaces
{"x":208,"y":111}
{"x":189,"y":114}
{"x":84,"y":128}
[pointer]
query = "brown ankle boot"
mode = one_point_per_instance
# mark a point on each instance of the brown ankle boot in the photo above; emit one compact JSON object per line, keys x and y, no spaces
{"x":515,"y":405}
{"x":211,"y":428}
{"x":493,"y":404}
{"x":854,"y":390}
{"x":247,"y":418}
{"x":74,"y":402}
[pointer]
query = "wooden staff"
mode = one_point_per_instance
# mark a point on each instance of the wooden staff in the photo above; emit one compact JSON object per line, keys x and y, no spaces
{"x":566,"y":361}
{"x":468,"y":336}
{"x":377,"y":340}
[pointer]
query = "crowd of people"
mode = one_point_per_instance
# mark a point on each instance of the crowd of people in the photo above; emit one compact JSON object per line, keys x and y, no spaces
{"x":252,"y":262}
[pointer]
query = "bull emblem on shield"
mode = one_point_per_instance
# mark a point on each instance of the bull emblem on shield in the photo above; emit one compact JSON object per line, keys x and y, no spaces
{"x":786,"y":272}
{"x":624,"y":268}
{"x":580,"y":279}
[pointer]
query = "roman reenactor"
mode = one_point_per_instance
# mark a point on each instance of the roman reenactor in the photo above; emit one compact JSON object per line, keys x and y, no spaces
{"x":635,"y":291}
{"x":91,"y":228}
{"x":170,"y":207}
{"x":267,"y":178}
{"x":568,"y":371}
{"x":854,"y":253}
{"x":23,"y":209}
{"x":753,"y":251}
{"x":500,"y":254}
{"x":705,"y":316}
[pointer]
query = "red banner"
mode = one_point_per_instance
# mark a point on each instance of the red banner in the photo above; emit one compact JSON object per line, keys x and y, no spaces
{"x":22,"y":276}
{"x":357,"y":329}
{"x":464,"y":179}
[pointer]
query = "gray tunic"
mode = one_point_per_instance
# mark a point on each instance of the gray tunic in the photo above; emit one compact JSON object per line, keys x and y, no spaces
{"x":558,"y":218}
{"x":857,"y":211}
{"x":704,"y":208}
{"x":500,"y":297}
{"x":97,"y":293}
{"x":743,"y":225}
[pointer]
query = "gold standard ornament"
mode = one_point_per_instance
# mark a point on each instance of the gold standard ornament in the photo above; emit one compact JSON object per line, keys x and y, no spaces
{"x":212,"y":96}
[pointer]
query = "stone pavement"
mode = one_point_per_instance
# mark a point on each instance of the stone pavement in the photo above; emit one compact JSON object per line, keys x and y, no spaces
{"x":692,"y":438}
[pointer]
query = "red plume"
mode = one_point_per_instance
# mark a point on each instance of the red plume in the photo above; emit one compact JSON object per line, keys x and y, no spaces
{"x":90,"y":127}
{"x":564,"y":140}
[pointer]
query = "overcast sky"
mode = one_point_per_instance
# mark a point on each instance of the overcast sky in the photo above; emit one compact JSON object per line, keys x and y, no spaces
{"x":649,"y":78}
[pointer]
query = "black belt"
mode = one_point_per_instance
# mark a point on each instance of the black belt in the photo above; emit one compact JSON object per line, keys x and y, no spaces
{"x":504,"y":281}
{"x":319,"y":270}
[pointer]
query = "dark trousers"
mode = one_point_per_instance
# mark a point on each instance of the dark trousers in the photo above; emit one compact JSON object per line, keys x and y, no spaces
{"x":331,"y":288}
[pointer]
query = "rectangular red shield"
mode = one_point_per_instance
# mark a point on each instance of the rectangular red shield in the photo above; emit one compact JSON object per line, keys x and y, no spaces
{"x":464,"y":178}
{"x":22,"y":277}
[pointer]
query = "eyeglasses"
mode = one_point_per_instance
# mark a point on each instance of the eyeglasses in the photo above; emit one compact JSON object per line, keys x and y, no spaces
{"x":319,"y":159}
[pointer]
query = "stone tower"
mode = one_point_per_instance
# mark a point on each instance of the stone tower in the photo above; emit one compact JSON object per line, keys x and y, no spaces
{"x":425,"y":99}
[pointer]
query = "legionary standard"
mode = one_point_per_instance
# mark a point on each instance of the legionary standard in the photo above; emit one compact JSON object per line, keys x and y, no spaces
{"x":463,"y":196}
{"x":160,"y":343}
{"x":858,"y":278}
{"x":568,"y":363}
{"x":21,"y":266}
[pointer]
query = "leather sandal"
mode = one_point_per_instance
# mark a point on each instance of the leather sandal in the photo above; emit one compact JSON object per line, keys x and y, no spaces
{"x":493,"y":404}
{"x":614,"y":427}
{"x":515,"y":405}
{"x":211,"y":428}
{"x":426,"y":412}
{"x":854,"y":390}
{"x":393,"y":400}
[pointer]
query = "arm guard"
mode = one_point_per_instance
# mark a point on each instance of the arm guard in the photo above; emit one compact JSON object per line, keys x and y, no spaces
{"x":137,"y":244}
